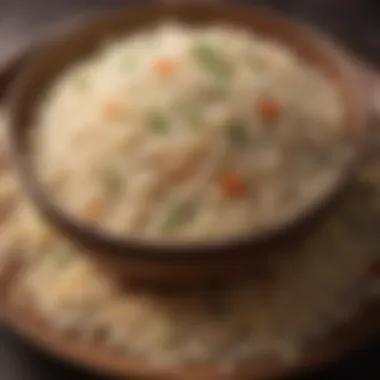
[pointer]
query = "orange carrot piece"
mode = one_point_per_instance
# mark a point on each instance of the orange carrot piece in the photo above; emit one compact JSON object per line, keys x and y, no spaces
{"x":164,"y":67}
{"x":233,"y":185}
{"x":269,"y":109}
{"x":112,"y":109}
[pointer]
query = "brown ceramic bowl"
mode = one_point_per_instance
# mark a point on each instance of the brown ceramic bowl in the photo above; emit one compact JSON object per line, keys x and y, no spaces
{"x":141,"y":259}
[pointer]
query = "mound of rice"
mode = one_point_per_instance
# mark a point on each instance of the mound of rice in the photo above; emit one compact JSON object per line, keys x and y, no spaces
{"x":189,"y":134}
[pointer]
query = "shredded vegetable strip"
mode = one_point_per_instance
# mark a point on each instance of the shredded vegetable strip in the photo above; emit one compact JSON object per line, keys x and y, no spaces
{"x":233,"y":185}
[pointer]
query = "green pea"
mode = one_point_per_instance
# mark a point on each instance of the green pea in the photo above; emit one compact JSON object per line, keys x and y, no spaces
{"x":237,"y":134}
{"x":210,"y":60}
{"x":179,"y":215}
{"x":158,"y":124}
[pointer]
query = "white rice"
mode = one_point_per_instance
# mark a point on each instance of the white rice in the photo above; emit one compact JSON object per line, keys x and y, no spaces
{"x":189,"y":134}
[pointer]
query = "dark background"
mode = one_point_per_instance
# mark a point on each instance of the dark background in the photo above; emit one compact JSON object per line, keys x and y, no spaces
{"x":355,"y":23}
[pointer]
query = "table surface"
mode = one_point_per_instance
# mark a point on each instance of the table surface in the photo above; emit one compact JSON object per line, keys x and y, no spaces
{"x":355,"y":23}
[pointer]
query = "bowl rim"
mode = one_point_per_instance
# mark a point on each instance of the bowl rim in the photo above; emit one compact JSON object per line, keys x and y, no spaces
{"x":160,"y":250}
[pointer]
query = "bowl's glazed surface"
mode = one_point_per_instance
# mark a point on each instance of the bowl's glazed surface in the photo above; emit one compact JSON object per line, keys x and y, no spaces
{"x":142,"y":260}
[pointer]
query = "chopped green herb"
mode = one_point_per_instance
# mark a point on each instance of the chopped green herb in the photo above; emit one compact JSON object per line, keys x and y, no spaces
{"x":237,"y":134}
{"x":194,"y":119}
{"x":209,"y":58}
{"x":191,"y":114}
{"x":179,"y":215}
{"x":158,"y":124}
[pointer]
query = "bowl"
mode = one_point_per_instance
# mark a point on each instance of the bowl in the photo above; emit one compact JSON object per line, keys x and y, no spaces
{"x":137,"y":260}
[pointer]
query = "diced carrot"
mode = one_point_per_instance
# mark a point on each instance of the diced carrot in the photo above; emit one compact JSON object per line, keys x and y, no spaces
{"x":233,"y":185}
{"x":112,"y":109}
{"x":164,"y":67}
{"x":269,"y":108}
